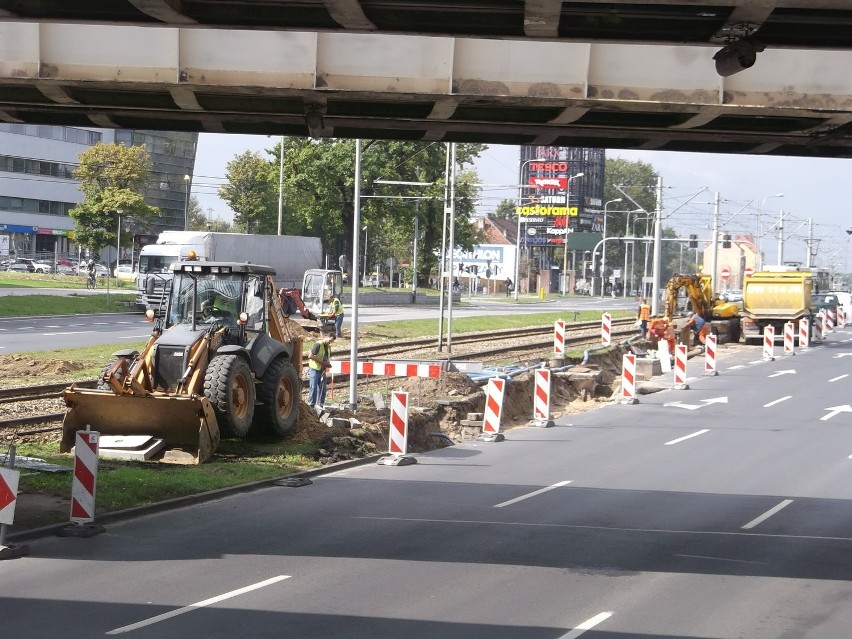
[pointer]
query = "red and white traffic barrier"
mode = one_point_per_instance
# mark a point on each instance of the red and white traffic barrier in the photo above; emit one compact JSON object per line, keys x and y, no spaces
{"x":818,"y":324}
{"x":628,"y":379}
{"x":541,"y":398}
{"x":830,"y":320}
{"x":789,"y":338}
{"x":83,"y":486}
{"x":402,"y":368}
{"x":398,"y":439}
{"x":559,"y":338}
{"x":804,"y":333}
{"x":606,"y":329}
{"x":842,"y":315}
{"x":710,"y":355}
{"x":769,"y":343}
{"x":680,"y":368}
{"x":493,"y":410}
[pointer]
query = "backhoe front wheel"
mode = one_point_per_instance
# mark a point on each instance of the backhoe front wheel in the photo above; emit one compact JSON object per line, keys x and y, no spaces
{"x":229,"y":386}
{"x":279,"y":396}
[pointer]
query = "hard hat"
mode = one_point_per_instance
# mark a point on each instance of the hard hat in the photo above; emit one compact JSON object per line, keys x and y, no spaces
{"x":690,"y":314}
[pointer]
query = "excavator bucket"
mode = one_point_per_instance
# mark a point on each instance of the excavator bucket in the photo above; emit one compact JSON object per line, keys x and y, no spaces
{"x":186,"y":425}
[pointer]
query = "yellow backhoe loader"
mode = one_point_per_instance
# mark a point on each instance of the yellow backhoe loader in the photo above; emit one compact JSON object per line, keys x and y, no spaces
{"x":724,"y":317}
{"x":222,"y":358}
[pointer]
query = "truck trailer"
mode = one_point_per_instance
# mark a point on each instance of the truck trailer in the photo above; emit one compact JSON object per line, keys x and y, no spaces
{"x":289,"y":255}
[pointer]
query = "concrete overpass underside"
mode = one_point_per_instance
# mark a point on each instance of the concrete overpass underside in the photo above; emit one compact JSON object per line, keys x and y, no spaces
{"x":615,"y":75}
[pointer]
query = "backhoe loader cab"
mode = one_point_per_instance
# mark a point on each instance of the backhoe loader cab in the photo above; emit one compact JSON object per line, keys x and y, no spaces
{"x":313,"y":301}
{"x":220,"y":359}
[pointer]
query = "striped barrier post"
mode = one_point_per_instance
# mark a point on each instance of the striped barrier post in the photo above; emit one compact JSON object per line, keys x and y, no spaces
{"x":769,"y":343}
{"x":628,"y":379}
{"x":829,"y":320}
{"x":9,"y":479}
{"x":841,"y":315}
{"x":710,"y":356}
{"x":541,"y":398}
{"x":606,"y":329}
{"x":83,"y":486}
{"x":493,"y":409}
{"x":804,"y":333}
{"x":559,"y":338}
{"x":398,"y":439}
{"x":680,"y":368}
{"x":818,"y":332}
{"x":789,"y":338}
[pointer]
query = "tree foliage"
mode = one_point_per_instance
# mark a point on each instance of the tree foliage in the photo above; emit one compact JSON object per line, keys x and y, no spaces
{"x":505,"y":210}
{"x":319,"y":196}
{"x":112,"y":178}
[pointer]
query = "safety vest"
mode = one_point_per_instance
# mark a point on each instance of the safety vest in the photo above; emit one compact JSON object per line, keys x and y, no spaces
{"x":336,"y":307}
{"x":322,"y":351}
{"x":644,"y":312}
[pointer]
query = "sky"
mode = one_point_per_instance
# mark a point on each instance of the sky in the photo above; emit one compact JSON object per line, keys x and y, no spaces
{"x":814,"y":189}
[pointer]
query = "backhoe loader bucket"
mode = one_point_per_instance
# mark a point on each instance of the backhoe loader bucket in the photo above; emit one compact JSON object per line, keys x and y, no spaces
{"x":187,"y":425}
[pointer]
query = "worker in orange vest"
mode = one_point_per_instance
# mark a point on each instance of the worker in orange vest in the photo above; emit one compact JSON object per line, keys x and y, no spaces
{"x":643,"y":316}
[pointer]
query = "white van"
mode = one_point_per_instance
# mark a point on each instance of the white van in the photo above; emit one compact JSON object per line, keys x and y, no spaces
{"x":844,"y":299}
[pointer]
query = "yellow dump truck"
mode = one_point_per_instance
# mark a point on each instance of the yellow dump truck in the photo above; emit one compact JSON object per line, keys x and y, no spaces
{"x":222,"y":358}
{"x":773,"y":299}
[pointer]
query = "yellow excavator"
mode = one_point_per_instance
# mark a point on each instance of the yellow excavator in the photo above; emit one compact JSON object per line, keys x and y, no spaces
{"x":724,"y":317}
{"x":221,"y":358}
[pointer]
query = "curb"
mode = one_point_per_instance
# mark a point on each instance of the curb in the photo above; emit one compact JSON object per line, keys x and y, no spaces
{"x":189,"y":500}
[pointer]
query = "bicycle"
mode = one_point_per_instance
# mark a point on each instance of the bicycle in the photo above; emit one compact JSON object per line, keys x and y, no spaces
{"x":91,"y":281}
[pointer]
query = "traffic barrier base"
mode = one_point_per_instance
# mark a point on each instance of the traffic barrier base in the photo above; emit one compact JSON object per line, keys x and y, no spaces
{"x":396,"y":460}
{"x":80,"y":530}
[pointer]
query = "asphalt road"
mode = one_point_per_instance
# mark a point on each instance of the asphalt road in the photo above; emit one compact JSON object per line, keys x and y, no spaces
{"x":18,"y":335}
{"x":719,"y":512}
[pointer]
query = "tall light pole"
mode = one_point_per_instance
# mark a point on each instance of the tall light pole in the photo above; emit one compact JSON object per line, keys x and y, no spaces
{"x":518,"y":237}
{"x":603,"y":250}
{"x":365,"y":256}
{"x":281,"y":186}
{"x":186,"y":203}
{"x":760,"y":229}
{"x":565,"y":243}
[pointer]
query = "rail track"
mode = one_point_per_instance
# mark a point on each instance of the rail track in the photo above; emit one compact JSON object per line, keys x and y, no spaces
{"x":39,"y":409}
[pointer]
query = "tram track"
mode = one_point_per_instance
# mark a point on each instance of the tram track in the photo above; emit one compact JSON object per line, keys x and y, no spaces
{"x":36,"y":409}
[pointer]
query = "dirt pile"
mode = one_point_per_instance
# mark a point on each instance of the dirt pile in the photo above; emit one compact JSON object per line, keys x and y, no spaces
{"x":12,"y":366}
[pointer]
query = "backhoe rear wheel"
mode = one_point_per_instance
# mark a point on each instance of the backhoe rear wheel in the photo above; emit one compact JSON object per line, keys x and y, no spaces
{"x":279,"y":395}
{"x":229,"y":386}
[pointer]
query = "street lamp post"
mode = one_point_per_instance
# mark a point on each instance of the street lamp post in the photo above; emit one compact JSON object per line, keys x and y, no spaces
{"x":565,"y":243}
{"x":760,"y":229}
{"x":281,"y":186}
{"x":603,"y":249}
{"x":365,"y":256}
{"x":518,"y":237}
{"x":186,"y":203}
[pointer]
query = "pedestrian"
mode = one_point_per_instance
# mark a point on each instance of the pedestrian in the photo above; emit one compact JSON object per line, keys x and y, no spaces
{"x":699,"y":327}
{"x":508,"y":286}
{"x":319,"y":361}
{"x":335,"y":312}
{"x":642,"y":316}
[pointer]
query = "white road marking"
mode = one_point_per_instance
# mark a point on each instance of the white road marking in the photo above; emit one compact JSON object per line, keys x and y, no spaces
{"x":196,"y":606}
{"x":767,"y":514}
{"x":845,"y":408}
{"x":66,"y":333}
{"x":787,"y":372}
{"x":733,"y":368}
{"x":738,"y":561}
{"x":757,"y":361}
{"x":587,"y":625}
{"x":52,"y":326}
{"x":532,"y":494}
{"x":777,"y":401}
{"x":695,"y":434}
{"x":834,"y":379}
{"x":133,"y":336}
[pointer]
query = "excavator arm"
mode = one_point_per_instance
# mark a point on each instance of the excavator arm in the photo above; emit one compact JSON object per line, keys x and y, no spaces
{"x":695,"y":291}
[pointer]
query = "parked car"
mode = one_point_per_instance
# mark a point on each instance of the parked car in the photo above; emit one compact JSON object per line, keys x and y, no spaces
{"x":34,"y":266}
{"x":18,"y":267}
{"x":124,"y":272}
{"x":100,"y":270}
{"x":733,"y":295}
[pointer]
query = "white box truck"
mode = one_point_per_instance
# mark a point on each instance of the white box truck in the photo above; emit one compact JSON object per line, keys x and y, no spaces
{"x":289,"y":255}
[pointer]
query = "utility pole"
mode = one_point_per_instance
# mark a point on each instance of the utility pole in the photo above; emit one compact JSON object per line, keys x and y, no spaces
{"x":714,"y":243}
{"x":658,"y":248}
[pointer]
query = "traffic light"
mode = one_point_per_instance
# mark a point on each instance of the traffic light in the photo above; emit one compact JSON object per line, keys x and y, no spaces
{"x":693,"y":241}
{"x":461,"y":267}
{"x":726,"y":241}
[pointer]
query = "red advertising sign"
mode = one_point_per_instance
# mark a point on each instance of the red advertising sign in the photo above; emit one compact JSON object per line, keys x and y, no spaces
{"x":560,"y":183}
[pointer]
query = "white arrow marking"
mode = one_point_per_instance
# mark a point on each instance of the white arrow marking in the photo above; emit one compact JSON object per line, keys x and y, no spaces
{"x":686,"y":406}
{"x":835,"y":410}
{"x":777,"y":401}
{"x":787,"y":372}
{"x":834,"y":379}
{"x":842,"y":355}
{"x":716,"y":400}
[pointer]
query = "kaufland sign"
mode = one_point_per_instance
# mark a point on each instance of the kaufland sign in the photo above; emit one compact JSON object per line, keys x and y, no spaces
{"x":560,"y":183}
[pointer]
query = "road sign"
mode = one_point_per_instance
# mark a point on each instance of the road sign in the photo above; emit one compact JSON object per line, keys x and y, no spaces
{"x":725,"y":273}
{"x":748,"y":272}
{"x":8,"y":494}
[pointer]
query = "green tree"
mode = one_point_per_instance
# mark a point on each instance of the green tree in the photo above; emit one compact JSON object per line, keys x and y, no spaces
{"x":319,"y":195}
{"x":505,"y":210}
{"x":250,"y":192}
{"x":197,"y":217}
{"x":112,"y":178}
